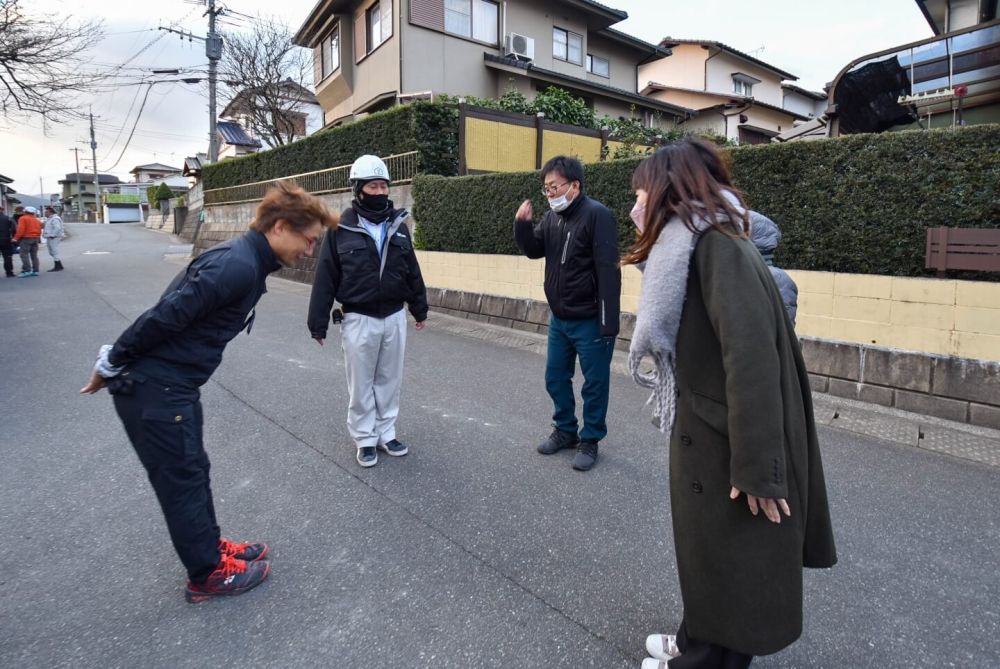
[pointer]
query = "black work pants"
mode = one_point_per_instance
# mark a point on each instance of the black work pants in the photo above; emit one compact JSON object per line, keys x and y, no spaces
{"x":7,"y":249}
{"x":164,"y":424}
{"x":697,"y":654}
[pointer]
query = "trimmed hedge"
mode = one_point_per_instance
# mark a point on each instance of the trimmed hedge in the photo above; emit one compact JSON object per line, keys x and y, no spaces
{"x":857,"y":204}
{"x":431,"y":129}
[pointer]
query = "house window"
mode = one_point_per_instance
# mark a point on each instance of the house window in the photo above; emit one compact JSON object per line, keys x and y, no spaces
{"x":331,"y":52}
{"x":379,"y":18}
{"x":475,"y":19}
{"x":744,"y":88}
{"x":599,"y":66}
{"x":567,"y":46}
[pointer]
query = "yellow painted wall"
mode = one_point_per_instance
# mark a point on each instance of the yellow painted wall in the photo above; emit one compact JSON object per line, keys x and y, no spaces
{"x":498,"y":147}
{"x":493,"y":146}
{"x":960,"y":318}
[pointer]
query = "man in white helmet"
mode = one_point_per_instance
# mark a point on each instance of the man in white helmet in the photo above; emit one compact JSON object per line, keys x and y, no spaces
{"x":368,"y":265}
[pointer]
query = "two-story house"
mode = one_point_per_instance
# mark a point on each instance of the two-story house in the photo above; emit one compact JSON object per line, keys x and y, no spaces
{"x":275,"y":114}
{"x":737,"y":95}
{"x":72,"y":198}
{"x":372,"y":54}
{"x":153,"y":172}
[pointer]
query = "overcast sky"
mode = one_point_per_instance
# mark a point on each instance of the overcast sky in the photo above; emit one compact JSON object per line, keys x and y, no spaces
{"x":811,"y":40}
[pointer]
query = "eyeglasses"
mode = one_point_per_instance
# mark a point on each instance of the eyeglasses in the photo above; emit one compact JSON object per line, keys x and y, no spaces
{"x":552,"y":190}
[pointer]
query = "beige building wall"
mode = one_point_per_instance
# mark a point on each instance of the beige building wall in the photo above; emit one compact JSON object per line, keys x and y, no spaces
{"x":684,"y":69}
{"x":357,"y":83}
{"x":944,"y":317}
{"x":621,"y":59}
{"x":720,"y":78}
{"x":761,"y":117}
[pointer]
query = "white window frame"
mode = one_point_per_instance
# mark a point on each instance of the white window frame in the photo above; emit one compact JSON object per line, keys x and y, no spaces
{"x":591,"y":58}
{"x":330,"y":52}
{"x":475,"y":8}
{"x":567,"y":36}
{"x":381,"y":12}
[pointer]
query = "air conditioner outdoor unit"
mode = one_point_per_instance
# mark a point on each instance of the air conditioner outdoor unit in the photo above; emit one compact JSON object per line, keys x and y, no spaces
{"x":521,"y":46}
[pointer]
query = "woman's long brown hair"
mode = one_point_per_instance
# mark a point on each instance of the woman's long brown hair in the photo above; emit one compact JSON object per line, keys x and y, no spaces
{"x":687,"y":179}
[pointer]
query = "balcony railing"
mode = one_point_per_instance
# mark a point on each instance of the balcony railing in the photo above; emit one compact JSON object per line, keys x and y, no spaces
{"x":402,"y":168}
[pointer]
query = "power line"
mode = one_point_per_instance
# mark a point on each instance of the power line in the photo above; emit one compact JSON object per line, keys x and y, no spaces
{"x":137,"y":116}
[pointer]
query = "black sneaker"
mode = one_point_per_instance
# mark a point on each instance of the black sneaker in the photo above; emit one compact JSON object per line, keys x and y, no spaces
{"x":367,"y":457}
{"x":586,"y":455}
{"x":394,"y":447}
{"x":231,"y":577}
{"x":557,"y":441}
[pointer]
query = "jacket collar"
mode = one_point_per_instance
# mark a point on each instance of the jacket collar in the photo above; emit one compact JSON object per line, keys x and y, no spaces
{"x":570,"y":211}
{"x":264,"y":252}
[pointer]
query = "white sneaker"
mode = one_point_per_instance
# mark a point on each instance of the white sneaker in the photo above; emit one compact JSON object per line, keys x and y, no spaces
{"x":650,"y":663}
{"x":662,"y":647}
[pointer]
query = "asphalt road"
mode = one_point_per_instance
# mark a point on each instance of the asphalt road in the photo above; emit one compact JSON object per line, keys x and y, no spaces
{"x":472,"y":551}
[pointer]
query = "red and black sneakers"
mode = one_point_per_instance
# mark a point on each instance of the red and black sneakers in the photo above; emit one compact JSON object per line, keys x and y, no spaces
{"x":247,"y":552}
{"x":232,"y":576}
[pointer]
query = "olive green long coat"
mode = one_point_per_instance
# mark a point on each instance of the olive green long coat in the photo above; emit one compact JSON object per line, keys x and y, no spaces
{"x":745,"y":419}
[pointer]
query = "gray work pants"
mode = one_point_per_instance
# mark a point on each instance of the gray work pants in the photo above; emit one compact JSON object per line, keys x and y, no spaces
{"x":373,"y":358}
{"x":29,"y":254}
{"x":53,"y":244}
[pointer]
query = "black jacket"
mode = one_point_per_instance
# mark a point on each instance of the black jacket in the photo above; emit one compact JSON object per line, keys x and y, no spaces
{"x":351,"y":272}
{"x":7,"y":229}
{"x":180,"y":339}
{"x":580,"y":247}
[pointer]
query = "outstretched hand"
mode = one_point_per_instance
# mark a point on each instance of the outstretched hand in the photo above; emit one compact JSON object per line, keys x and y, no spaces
{"x":768,"y":505}
{"x":524,"y":212}
{"x":420,"y":325}
{"x":95,"y":383}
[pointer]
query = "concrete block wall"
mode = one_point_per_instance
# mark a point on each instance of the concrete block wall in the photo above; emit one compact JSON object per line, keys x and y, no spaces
{"x":940,"y":316}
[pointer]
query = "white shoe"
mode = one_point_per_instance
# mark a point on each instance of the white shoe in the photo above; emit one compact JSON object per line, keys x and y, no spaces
{"x":651,"y":663}
{"x":662,"y":647}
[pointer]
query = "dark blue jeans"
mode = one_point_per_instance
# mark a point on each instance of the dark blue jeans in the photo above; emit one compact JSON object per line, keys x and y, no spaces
{"x":567,"y":340}
{"x":164,"y":424}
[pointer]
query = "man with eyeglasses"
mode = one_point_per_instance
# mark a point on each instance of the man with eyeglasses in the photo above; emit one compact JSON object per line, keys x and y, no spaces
{"x":156,"y":367}
{"x":578,"y":238}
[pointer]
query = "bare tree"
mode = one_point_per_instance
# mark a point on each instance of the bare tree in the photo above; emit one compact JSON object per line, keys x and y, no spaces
{"x":266,"y":78}
{"x":42,"y":66}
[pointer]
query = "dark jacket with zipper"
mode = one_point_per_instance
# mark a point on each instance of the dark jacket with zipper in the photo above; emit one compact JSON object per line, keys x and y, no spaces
{"x":580,"y":247}
{"x":350,"y":271}
{"x":181,"y":338}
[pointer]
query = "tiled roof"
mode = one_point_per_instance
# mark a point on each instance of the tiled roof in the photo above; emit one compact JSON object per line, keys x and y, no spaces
{"x":234,"y":134}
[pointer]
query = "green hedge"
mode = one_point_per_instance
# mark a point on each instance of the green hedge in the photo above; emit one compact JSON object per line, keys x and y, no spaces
{"x":431,"y":129}
{"x":857,"y":204}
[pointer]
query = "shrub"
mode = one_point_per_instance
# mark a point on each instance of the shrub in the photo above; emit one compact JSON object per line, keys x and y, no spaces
{"x":431,"y":129}
{"x":857,"y":204}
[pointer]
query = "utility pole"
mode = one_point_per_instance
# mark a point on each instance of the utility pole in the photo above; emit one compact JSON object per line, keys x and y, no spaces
{"x":79,"y":195}
{"x":213,"y":49}
{"x":97,"y":183}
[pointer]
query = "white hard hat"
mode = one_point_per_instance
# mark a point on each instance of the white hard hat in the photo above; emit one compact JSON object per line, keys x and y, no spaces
{"x":30,"y":210}
{"x":369,"y":168}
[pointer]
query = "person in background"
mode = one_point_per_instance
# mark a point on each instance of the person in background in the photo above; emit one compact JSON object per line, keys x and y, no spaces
{"x":28,"y":234}
{"x":53,"y":231}
{"x":730,"y":390}
{"x":7,"y":230}
{"x":765,"y":235}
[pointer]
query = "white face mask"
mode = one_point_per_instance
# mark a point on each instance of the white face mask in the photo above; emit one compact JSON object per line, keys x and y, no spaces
{"x":558,"y":203}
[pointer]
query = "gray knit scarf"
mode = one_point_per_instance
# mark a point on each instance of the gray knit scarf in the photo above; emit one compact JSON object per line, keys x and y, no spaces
{"x":661,"y":302}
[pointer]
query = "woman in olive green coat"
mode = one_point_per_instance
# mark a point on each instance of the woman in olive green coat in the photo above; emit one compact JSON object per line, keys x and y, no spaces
{"x":747,"y":493}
